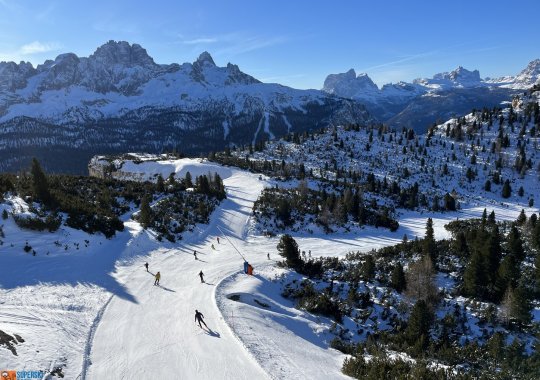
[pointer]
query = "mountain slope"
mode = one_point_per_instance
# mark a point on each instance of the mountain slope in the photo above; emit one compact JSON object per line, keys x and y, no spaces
{"x":468,"y":158}
{"x":428,"y":100}
{"x":119,"y":99}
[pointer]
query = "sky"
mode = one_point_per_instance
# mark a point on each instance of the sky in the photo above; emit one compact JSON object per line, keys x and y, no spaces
{"x":295,"y":43}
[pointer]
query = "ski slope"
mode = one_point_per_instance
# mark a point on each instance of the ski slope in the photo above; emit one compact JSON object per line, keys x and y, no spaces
{"x":154,"y":334}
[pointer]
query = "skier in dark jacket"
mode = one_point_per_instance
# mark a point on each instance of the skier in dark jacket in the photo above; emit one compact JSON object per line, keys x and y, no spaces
{"x":199,"y":318}
{"x":146,"y":266}
{"x":201,"y":274}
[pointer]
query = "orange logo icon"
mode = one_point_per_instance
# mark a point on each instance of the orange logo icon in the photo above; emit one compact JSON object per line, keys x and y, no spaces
{"x":8,"y":375}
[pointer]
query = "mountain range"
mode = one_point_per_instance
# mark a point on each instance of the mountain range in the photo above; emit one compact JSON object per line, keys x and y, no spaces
{"x":426,"y":101}
{"x":118,"y":99}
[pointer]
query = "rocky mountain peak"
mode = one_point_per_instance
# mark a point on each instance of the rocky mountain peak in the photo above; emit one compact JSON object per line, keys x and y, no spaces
{"x":463,"y":74}
{"x":14,"y":76}
{"x":530,"y":75}
{"x":237,"y":76}
{"x":122,"y":53}
{"x":349,"y":84}
{"x":205,"y":58}
{"x":351,"y":74}
{"x":459,"y":75}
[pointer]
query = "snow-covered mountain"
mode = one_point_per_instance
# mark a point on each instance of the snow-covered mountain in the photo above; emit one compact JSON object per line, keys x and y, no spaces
{"x":118,"y":99}
{"x":428,"y":100}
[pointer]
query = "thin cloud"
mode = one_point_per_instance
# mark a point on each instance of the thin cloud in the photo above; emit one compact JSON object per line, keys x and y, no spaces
{"x":247,"y":44}
{"x":25,"y":52}
{"x":37,"y":47}
{"x":402,"y":60}
{"x":199,"y":41}
{"x":231,"y":44}
{"x":435,"y":52}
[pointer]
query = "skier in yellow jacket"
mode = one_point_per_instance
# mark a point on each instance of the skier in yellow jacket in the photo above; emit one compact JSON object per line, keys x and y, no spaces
{"x":157,"y":276}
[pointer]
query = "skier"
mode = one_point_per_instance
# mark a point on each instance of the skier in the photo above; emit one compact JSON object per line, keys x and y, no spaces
{"x":195,"y":254}
{"x":213,"y":247}
{"x":218,"y":239}
{"x":158,"y":276}
{"x":199,"y":318}
{"x":268,"y":256}
{"x":201,"y":274}
{"x":146,"y":266}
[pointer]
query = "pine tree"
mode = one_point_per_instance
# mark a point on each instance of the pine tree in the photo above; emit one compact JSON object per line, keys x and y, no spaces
{"x":340,"y":212}
{"x":536,"y":236}
{"x":495,"y":346}
{"x":368,"y":268}
{"x":522,"y":218}
{"x":288,"y":249}
{"x":429,"y":244}
{"x":219,"y":187}
{"x":508,"y":274}
{"x":515,"y":245}
{"x":419,"y":324}
{"x":145,"y":215}
{"x":460,"y":245}
{"x":160,"y":184}
{"x":449,"y":202}
{"x":188,"y":180}
{"x":491,"y":260}
{"x":491,"y":217}
{"x":537,"y":272}
{"x":171,"y":179}
{"x":397,"y":280}
{"x":522,"y":305}
{"x":203,"y":186}
{"x":40,"y":185}
{"x":473,"y":277}
{"x":506,"y":190}
{"x":283,"y":211}
{"x":484,"y":218}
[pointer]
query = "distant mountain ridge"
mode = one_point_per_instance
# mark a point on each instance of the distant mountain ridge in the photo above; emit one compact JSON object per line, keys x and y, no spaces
{"x":426,"y":100}
{"x":118,"y":99}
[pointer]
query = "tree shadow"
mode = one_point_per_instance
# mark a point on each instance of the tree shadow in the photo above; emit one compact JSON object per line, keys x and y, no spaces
{"x":74,"y":270}
{"x":95,"y":267}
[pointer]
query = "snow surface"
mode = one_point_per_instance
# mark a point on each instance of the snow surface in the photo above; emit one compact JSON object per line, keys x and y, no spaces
{"x":95,"y":310}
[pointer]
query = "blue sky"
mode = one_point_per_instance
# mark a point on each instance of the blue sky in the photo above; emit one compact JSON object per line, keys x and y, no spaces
{"x":296,"y":43}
